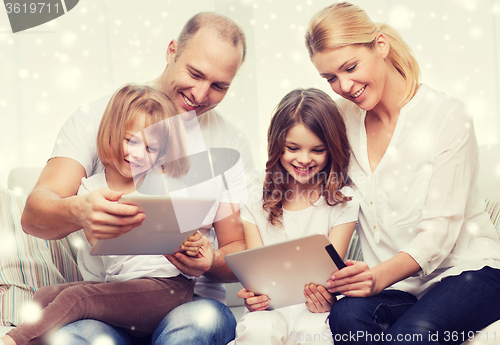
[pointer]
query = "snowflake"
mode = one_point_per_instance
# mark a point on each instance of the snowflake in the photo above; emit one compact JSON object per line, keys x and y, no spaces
{"x":400,"y":17}
{"x":78,"y":243}
{"x":296,"y":56}
{"x":285,"y":83}
{"x":206,"y":317}
{"x":32,"y":312}
{"x":103,"y":340}
{"x":68,"y":38}
{"x":476,"y":32}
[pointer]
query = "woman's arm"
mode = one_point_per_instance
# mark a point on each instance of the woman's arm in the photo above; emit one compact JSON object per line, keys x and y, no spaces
{"x":358,"y":280}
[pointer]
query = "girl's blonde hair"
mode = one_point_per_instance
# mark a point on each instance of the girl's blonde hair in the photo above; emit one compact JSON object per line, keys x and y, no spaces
{"x":318,"y":113}
{"x":131,"y":101}
{"x":344,"y":24}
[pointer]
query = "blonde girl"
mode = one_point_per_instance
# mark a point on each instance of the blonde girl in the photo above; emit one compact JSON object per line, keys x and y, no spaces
{"x":137,"y":133}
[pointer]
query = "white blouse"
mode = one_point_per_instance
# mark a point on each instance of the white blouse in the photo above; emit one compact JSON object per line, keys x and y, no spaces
{"x":423,"y":197}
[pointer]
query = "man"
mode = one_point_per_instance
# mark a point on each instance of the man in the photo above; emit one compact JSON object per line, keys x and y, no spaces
{"x":201,"y":65}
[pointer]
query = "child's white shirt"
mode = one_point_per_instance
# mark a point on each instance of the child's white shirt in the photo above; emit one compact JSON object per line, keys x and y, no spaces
{"x":294,"y":324}
{"x":315,"y":219}
{"x":110,"y":268}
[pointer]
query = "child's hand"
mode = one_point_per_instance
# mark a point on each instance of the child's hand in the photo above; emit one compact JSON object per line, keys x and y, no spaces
{"x":252,"y":302}
{"x":319,"y":300}
{"x":192,"y":245}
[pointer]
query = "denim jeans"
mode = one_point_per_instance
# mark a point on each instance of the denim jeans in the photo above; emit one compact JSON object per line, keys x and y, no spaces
{"x":202,"y":321}
{"x":449,"y":313}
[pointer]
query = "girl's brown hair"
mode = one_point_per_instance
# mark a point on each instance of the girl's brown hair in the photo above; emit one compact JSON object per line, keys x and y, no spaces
{"x":134,"y":100}
{"x":315,"y":110}
{"x":344,"y":24}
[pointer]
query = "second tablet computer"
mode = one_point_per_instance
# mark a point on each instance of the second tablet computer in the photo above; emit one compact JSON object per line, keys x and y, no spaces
{"x":281,"y":270}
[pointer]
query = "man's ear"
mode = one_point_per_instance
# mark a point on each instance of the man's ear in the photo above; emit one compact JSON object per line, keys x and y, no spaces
{"x":171,"y":50}
{"x":383,"y":45}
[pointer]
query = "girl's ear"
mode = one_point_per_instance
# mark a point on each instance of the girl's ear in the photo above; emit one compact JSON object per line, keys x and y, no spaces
{"x":383,"y":45}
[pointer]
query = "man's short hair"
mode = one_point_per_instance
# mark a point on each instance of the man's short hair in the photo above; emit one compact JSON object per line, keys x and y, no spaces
{"x":225,"y":27}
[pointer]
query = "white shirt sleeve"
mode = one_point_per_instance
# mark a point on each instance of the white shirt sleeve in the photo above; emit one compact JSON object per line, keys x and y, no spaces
{"x":253,"y":205}
{"x":78,"y":137}
{"x":346,"y":212}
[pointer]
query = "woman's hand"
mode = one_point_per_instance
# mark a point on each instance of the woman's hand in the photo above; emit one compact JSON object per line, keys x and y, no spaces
{"x":319,"y":300}
{"x":355,"y":280}
{"x":253,"y":302}
{"x":192,"y":245}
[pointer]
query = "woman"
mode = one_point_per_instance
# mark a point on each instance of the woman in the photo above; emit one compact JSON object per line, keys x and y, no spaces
{"x":432,"y":256}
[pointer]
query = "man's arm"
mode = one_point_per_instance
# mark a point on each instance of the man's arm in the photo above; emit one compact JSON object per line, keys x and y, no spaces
{"x":53,"y":210}
{"x":231,"y":239}
{"x":230,"y":236}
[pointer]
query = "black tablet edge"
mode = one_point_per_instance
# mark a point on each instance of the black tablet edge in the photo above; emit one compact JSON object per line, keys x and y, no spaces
{"x":337,"y":260}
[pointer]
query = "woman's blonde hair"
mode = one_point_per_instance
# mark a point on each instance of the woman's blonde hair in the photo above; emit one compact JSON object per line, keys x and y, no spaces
{"x":344,"y":24}
{"x":134,"y":100}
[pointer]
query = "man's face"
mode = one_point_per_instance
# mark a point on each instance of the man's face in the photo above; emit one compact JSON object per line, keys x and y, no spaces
{"x":198,"y":78}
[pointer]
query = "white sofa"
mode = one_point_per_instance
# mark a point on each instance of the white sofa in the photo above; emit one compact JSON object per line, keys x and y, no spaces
{"x":22,"y":180}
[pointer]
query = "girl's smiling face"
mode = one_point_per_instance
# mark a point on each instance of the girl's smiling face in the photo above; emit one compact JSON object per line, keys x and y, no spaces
{"x":140,"y":150}
{"x":304,"y":154}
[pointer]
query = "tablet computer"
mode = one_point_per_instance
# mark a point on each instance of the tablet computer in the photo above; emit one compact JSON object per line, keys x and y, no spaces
{"x":169,"y":222}
{"x":281,"y":270}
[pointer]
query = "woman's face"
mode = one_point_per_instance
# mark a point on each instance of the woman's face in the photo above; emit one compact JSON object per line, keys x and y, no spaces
{"x":355,"y":72}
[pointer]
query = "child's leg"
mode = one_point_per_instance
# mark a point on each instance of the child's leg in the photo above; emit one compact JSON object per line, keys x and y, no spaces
{"x":43,"y":297}
{"x":46,"y":294}
{"x":309,"y":328}
{"x":137,"y":305}
{"x":262,"y":327}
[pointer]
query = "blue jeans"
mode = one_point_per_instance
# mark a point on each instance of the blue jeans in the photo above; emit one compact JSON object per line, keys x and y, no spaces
{"x":202,"y":321}
{"x":449,"y":313}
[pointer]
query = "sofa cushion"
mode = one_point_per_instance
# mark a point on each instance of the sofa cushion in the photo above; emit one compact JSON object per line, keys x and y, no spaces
{"x":27,"y":263}
{"x":493,"y":209}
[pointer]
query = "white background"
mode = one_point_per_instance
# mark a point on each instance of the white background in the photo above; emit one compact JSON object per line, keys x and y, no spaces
{"x":50,"y":70}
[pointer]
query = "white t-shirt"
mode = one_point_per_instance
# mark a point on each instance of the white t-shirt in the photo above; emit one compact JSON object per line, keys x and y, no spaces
{"x":318,"y":218}
{"x":423,"y":197}
{"x":78,"y":136}
{"x":111,"y":268}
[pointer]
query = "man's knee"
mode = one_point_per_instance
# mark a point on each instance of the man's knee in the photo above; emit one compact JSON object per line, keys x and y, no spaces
{"x":203,"y":321}
{"x":89,"y":332}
